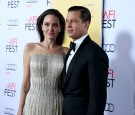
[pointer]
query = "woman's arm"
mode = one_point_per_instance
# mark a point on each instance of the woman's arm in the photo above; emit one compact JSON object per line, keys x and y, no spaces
{"x":26,"y":79}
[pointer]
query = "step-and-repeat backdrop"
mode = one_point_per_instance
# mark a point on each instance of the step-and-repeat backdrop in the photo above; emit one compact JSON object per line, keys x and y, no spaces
{"x":119,"y":43}
{"x":111,"y":28}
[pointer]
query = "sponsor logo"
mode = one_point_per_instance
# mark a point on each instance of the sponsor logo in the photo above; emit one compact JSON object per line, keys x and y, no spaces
{"x":13,"y":4}
{"x":110,"y":82}
{"x":109,"y":107}
{"x":10,"y":90}
{"x":9,"y":111}
{"x":31,"y":1}
{"x":11,"y":67}
{"x":12,"y":22}
{"x":12,"y":46}
{"x":31,"y":23}
{"x":109,"y":47}
{"x":109,"y":19}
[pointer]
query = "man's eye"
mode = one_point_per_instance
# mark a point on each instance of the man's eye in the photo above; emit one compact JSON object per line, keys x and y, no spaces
{"x":74,"y":21}
{"x":66,"y":21}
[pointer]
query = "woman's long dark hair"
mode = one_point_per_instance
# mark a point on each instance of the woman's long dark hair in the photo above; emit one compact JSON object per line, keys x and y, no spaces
{"x":60,"y":37}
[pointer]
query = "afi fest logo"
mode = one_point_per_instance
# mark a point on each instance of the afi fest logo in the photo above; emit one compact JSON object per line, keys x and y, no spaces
{"x":10,"y":90}
{"x":9,"y":111}
{"x":110,"y":82}
{"x":31,"y":23}
{"x":109,"y":19}
{"x":12,"y":46}
{"x":12,"y":23}
{"x":13,"y":4}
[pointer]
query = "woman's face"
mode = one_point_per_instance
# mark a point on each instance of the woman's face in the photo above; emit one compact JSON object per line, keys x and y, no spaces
{"x":51,"y":27}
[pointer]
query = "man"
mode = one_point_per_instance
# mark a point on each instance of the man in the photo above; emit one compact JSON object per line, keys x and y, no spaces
{"x":85,"y":70}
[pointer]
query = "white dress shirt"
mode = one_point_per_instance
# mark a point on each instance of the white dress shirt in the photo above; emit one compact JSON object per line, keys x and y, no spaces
{"x":72,"y":53}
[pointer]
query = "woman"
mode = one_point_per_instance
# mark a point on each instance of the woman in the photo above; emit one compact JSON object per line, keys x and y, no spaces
{"x":43,"y":63}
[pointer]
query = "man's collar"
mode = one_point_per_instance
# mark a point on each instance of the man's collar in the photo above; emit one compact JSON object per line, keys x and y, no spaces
{"x":80,"y":40}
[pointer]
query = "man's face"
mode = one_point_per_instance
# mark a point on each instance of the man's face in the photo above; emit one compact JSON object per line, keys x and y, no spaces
{"x":75,"y":27}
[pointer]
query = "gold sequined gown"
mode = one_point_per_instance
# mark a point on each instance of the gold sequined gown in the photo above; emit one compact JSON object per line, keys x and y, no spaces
{"x":44,"y":97}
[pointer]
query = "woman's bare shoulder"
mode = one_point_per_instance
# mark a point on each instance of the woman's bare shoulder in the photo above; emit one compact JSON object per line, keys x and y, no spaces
{"x":30,"y":48}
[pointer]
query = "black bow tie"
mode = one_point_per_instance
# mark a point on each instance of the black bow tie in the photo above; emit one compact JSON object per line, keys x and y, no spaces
{"x":72,"y":46}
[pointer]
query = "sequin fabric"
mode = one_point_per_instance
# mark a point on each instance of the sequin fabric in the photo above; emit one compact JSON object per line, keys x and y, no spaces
{"x":44,"y":97}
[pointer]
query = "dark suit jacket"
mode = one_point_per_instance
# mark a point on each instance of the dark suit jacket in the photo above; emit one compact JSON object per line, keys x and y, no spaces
{"x":85,"y":84}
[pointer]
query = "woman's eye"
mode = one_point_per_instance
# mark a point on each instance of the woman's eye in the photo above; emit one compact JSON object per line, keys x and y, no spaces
{"x":46,"y":24}
{"x":55,"y":25}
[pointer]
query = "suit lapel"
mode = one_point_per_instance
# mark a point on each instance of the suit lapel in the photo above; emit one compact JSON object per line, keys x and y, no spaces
{"x":73,"y":61}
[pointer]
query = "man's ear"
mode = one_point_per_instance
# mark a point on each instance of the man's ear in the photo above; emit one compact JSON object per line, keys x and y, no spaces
{"x":86,"y":24}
